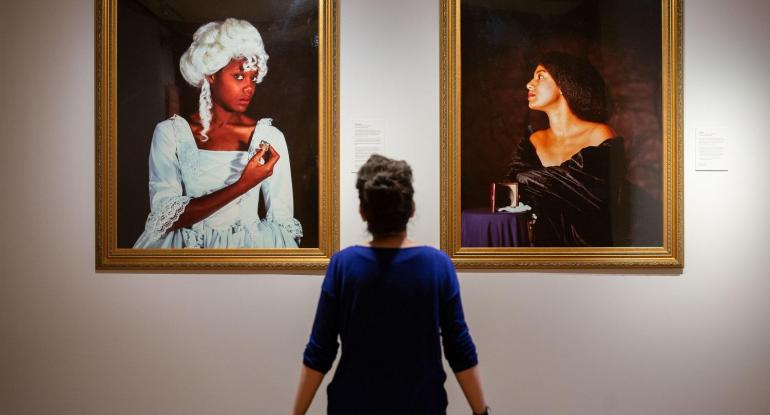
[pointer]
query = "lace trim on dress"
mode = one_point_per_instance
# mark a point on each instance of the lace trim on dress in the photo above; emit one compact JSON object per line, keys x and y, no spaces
{"x":292,"y":227}
{"x":187,"y":153}
{"x":160,"y":220}
{"x":192,"y":238}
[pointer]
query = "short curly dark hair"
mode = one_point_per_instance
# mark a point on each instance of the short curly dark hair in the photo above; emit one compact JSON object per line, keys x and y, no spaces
{"x":386,"y":194}
{"x":581,"y":84}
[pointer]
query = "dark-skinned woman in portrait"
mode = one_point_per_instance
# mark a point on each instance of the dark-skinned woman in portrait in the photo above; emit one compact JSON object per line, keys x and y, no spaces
{"x":209,"y":170}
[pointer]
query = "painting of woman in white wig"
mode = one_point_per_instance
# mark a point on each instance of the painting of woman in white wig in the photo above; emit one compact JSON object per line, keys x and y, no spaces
{"x":218,"y":125}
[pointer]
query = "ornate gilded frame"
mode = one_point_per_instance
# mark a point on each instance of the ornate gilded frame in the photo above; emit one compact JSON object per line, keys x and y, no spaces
{"x":110,"y":257}
{"x":668,"y":255}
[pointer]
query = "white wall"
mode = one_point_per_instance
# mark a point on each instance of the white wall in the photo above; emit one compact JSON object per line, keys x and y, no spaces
{"x":77,"y":342}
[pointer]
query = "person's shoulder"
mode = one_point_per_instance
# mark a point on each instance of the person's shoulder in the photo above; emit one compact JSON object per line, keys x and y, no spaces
{"x":168,"y":123}
{"x":348,"y":253}
{"x":265,"y":130}
{"x":432,"y":254}
{"x":165,"y":131}
{"x":602,"y":141}
{"x":604,"y":145}
{"x":538,"y":135}
{"x":430,"y":250}
{"x":438,"y":264}
{"x":600,"y":133}
{"x":265,"y":126}
{"x":537,"y":138}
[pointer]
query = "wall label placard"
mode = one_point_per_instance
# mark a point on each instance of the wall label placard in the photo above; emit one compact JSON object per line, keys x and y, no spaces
{"x":368,"y":138}
{"x":711,"y":149}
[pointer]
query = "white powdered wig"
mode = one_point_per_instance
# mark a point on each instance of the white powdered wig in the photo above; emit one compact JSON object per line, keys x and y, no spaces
{"x":214,"y":45}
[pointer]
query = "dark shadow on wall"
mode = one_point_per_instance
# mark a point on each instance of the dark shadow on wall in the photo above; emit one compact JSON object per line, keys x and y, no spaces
{"x":149,"y":49}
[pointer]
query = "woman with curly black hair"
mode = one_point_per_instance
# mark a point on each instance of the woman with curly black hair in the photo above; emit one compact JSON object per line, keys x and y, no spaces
{"x":571,"y":173}
{"x":392,"y":303}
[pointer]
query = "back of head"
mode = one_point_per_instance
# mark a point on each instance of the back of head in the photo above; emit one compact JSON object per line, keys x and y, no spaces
{"x":386,"y":194}
{"x":580,"y":82}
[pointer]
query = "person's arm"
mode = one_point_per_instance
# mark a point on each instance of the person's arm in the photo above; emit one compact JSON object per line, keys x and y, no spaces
{"x":470,"y":383}
{"x":321,"y":349}
{"x":459,"y":348}
{"x":200,"y":208}
{"x":309,"y":380}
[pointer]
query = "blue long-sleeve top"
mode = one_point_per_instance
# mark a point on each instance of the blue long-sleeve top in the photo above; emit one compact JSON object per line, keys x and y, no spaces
{"x":391,"y":308}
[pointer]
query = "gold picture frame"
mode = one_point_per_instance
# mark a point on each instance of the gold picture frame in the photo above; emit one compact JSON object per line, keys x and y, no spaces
{"x":470,"y":21}
{"x":309,"y":32}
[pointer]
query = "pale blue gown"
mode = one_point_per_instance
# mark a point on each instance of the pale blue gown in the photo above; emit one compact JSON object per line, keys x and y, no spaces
{"x":179,"y":172}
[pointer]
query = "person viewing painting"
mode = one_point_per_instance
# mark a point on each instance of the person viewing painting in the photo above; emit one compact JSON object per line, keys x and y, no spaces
{"x":572,"y":173}
{"x":391,"y":302}
{"x":209,"y":170}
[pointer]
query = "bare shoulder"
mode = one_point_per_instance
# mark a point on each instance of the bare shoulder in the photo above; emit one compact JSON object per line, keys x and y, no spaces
{"x":538,"y":138}
{"x":600,"y":133}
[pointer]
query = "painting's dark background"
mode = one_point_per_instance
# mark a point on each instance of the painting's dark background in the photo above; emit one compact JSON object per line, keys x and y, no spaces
{"x":501,"y":40}
{"x":153,"y":35}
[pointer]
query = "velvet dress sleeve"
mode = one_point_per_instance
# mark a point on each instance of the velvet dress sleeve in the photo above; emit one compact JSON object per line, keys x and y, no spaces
{"x":583,"y":183}
{"x":578,"y":203}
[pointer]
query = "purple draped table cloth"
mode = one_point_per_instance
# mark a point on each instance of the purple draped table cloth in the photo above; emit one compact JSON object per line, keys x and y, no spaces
{"x":482,"y":228}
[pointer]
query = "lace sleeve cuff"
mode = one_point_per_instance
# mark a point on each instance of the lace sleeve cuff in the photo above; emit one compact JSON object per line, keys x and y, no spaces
{"x":164,"y":215}
{"x":292,"y":227}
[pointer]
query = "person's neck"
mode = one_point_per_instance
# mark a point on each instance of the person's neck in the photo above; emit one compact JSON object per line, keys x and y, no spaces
{"x":391,"y":240}
{"x":221,"y":117}
{"x":563,"y":123}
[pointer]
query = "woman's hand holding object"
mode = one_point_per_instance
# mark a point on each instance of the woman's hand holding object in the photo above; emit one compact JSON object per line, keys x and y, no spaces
{"x":256,"y":170}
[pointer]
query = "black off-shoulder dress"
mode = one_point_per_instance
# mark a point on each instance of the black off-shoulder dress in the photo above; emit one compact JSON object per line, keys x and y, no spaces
{"x":578,"y":203}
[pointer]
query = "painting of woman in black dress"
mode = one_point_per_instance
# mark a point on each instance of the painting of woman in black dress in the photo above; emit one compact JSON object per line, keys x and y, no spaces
{"x":571,"y":173}
{"x":564,"y":98}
